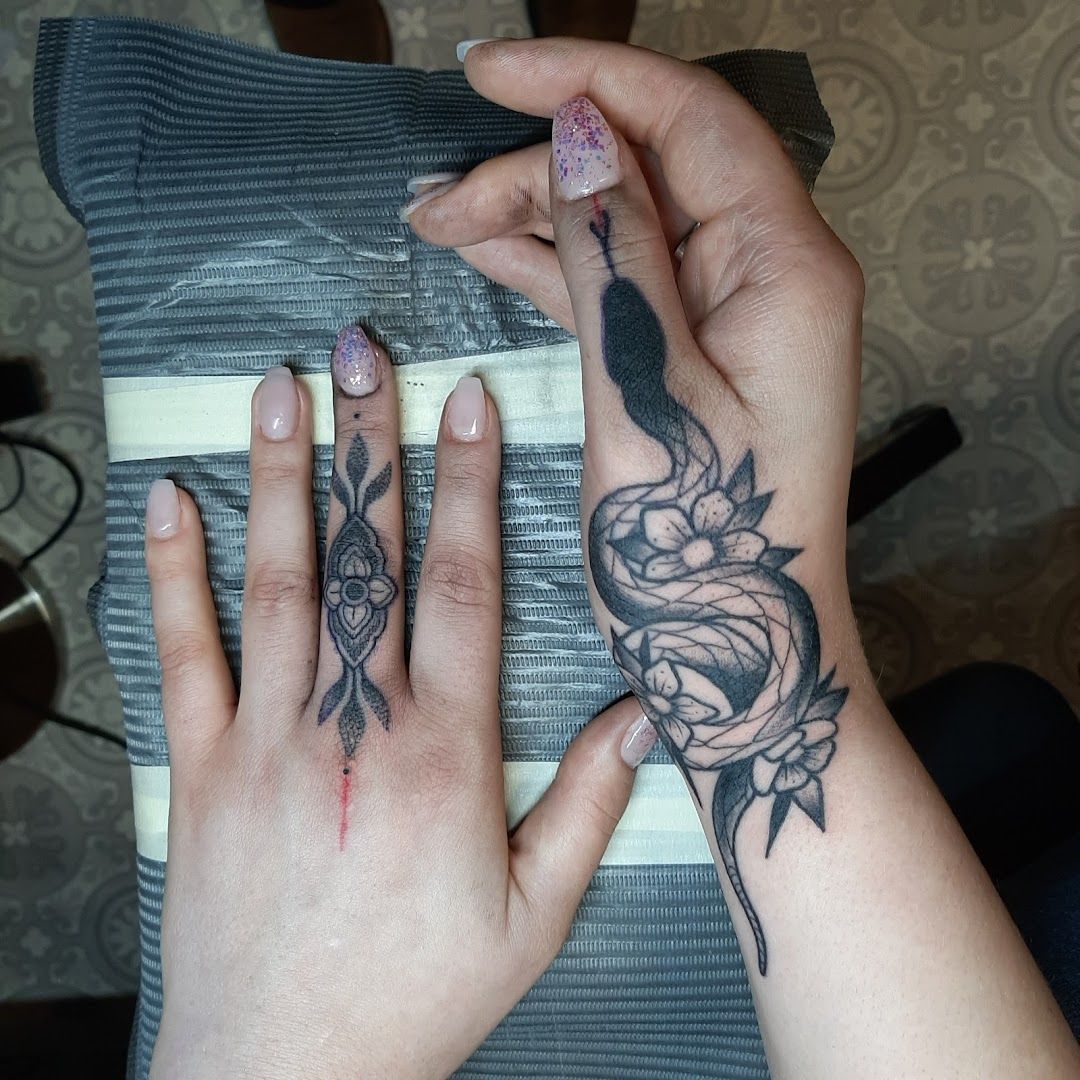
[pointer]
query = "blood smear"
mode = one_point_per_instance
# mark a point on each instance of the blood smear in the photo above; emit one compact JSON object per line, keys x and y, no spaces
{"x":346,"y":780}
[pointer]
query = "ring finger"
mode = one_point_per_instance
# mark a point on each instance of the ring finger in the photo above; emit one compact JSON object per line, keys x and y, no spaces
{"x":279,"y":628}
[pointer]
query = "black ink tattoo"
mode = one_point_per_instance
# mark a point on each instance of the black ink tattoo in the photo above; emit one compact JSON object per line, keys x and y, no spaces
{"x":358,"y":593}
{"x":719,"y":644}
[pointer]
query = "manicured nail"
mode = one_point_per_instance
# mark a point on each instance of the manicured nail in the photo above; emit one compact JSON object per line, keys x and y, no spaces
{"x":466,"y":409}
{"x":640,"y":739}
{"x":427,"y":196}
{"x":464,"y":46}
{"x":419,"y":184}
{"x":278,"y":404}
{"x":356,"y":367}
{"x":162,"y":510}
{"x":586,"y":154}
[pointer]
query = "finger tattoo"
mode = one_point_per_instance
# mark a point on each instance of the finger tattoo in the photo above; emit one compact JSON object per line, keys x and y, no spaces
{"x":357,"y":594}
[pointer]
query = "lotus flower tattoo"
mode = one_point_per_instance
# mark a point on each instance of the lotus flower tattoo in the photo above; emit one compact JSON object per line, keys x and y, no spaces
{"x":357,"y":593}
{"x":719,"y":644}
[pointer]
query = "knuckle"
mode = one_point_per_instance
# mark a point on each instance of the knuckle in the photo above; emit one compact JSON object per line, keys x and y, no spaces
{"x":848,"y":281}
{"x":526,"y":203}
{"x":598,"y":813}
{"x":181,"y":651}
{"x":439,"y":756}
{"x":831,"y":275}
{"x":640,"y":256}
{"x":463,"y":471}
{"x":276,"y":471}
{"x":168,"y":572}
{"x":273,"y":588}
{"x":459,"y":578}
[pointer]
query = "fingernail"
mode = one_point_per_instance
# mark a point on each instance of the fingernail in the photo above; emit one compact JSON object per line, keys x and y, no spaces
{"x":586,"y":154}
{"x":278,"y":404}
{"x":640,"y":739}
{"x":464,"y":46}
{"x":427,"y":196}
{"x":356,"y":367}
{"x":418,"y":184}
{"x":466,"y":410}
{"x":162,"y":510}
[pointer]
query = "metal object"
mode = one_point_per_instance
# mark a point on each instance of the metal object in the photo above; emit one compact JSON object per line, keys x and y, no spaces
{"x":29,"y":655}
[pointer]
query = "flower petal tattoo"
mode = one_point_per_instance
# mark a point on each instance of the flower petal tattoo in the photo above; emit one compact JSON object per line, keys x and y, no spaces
{"x":719,"y":644}
{"x":357,"y":593}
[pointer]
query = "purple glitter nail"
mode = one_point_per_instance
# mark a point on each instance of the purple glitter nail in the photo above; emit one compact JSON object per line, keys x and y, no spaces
{"x":356,"y":367}
{"x":585,"y":151}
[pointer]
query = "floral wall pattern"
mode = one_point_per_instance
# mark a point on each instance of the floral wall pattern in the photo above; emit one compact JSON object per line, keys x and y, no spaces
{"x":955,"y":179}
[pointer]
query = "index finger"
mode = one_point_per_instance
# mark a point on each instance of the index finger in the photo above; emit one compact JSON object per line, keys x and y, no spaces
{"x":716,"y":150}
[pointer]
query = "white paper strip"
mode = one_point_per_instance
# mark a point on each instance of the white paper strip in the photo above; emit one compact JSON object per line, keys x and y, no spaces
{"x":659,"y":826}
{"x":537,"y":392}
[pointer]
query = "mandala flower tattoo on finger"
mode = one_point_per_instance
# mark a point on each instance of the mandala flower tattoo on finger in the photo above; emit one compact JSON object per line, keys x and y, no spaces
{"x":357,"y":594}
{"x":718,"y":642}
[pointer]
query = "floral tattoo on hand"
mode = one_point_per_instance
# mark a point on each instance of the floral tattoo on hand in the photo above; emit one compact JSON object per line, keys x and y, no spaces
{"x":719,"y":644}
{"x":357,"y":594}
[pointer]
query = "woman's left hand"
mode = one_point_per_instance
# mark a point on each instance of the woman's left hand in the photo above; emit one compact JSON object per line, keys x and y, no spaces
{"x":342,"y":896}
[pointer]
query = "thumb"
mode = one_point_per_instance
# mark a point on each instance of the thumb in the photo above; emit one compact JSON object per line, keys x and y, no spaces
{"x":556,"y":849}
{"x":618,"y":268}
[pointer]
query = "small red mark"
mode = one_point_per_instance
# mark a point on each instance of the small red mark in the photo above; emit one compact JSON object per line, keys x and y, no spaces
{"x":597,"y":209}
{"x":346,"y":781}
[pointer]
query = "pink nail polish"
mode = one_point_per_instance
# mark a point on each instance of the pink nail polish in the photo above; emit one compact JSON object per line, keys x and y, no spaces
{"x":356,"y":367}
{"x":640,"y":739}
{"x":466,"y":409}
{"x":162,"y":510}
{"x":586,"y":154}
{"x":278,"y":405}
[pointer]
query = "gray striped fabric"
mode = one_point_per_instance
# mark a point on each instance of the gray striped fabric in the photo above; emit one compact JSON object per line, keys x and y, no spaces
{"x":240,"y":207}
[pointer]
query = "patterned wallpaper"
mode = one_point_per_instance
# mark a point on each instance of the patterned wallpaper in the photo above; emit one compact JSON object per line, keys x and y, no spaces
{"x":955,"y":180}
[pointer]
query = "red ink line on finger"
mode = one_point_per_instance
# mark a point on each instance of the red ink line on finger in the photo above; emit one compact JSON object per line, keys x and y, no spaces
{"x":346,"y":780}
{"x":600,"y":227}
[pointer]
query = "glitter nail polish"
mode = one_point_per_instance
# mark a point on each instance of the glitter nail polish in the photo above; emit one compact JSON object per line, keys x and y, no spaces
{"x":355,"y":365}
{"x":586,"y":154}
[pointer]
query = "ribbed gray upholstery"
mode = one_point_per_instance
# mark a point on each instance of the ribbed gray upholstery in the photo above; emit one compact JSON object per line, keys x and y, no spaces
{"x":240,"y":207}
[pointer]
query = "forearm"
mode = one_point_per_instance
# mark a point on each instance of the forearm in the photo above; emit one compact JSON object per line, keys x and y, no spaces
{"x":889,"y":951}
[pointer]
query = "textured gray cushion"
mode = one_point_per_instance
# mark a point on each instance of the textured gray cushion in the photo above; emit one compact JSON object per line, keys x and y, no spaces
{"x":240,"y":207}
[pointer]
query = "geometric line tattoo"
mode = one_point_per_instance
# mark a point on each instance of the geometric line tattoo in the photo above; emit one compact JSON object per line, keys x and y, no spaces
{"x":719,"y":644}
{"x":357,"y":593}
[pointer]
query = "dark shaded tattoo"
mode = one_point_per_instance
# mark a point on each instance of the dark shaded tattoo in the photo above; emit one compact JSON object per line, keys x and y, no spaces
{"x":719,"y":644}
{"x":358,"y":593}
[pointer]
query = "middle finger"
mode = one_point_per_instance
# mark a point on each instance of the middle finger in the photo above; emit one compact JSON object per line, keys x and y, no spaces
{"x":361,"y":681}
